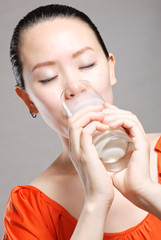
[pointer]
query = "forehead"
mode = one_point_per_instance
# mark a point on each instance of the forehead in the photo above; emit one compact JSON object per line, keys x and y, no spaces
{"x":58,"y":28}
{"x":59,"y":33}
{"x":60,"y":24}
{"x":56,"y":40}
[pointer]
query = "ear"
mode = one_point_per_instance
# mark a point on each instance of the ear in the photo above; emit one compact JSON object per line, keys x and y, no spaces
{"x":25,"y":97}
{"x":111,"y":60}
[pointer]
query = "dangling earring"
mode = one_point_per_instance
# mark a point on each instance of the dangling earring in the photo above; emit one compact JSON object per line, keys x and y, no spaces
{"x":33,"y":114}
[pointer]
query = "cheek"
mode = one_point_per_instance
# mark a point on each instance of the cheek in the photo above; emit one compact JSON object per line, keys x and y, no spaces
{"x":49,"y":105}
{"x":44,"y":96}
{"x":102,"y":82}
{"x":53,"y":114}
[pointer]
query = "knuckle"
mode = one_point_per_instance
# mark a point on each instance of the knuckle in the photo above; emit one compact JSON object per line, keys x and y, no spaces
{"x":71,"y":124}
{"x":84,"y":131}
{"x":83,"y":159}
{"x":90,"y":115}
{"x":71,"y":130}
{"x":70,"y":121}
{"x":95,"y":115}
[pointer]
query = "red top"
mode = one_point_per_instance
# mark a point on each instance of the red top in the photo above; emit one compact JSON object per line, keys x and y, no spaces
{"x":30,"y":214}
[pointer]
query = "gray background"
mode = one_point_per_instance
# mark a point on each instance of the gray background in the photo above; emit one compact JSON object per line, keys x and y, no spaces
{"x":132,"y":32}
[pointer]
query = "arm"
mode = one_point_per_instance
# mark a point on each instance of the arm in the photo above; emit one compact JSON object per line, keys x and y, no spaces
{"x":91,"y":222}
{"x":135,"y":182}
{"x":98,"y":188}
{"x":151,"y":199}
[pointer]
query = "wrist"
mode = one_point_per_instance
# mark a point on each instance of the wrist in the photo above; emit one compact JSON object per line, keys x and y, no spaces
{"x":100,"y":205}
{"x":151,"y":199}
{"x":92,"y":220}
{"x":154,"y":200}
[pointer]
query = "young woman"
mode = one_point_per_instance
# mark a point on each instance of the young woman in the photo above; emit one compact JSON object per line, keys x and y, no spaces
{"x":76,"y":197}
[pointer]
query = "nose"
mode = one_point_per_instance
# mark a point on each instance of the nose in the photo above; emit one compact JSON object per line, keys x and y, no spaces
{"x":79,"y":94}
{"x":75,"y":89}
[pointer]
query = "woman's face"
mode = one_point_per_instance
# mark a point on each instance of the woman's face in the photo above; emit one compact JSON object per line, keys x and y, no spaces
{"x":55,"y":53}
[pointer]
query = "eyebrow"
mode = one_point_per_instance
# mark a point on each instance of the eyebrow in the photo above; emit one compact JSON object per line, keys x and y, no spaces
{"x":48,"y":63}
{"x":74,"y":55}
{"x":81,"y":51}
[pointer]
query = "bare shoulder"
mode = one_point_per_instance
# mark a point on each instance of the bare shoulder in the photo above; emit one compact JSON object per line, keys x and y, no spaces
{"x":61,"y":184}
{"x":153,"y":138}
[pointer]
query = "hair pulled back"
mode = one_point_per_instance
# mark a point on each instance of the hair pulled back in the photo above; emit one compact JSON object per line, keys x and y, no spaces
{"x":39,"y":14}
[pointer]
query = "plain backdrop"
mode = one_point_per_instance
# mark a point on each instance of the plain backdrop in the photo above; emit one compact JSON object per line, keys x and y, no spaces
{"x":131,"y":30}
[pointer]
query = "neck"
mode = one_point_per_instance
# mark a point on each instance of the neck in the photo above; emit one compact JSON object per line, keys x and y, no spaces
{"x":64,"y":161}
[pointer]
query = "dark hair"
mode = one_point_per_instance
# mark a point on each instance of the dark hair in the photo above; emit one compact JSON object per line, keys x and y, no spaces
{"x":41,"y":14}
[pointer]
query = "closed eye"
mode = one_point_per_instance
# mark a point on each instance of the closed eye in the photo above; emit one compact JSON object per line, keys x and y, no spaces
{"x":87,"y":66}
{"x":48,"y":80}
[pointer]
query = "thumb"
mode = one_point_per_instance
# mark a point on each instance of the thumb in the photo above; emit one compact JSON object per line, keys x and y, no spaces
{"x":119,"y":181}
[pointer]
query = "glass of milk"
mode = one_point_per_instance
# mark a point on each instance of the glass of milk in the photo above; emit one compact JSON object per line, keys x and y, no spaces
{"x":114,"y":147}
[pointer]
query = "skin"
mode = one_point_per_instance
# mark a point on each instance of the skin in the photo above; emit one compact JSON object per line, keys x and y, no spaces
{"x":72,"y":179}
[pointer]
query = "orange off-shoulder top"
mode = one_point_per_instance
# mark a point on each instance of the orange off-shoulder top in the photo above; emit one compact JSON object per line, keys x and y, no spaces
{"x":32,"y":215}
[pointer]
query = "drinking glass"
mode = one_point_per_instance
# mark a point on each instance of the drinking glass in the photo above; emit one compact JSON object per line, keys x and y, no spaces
{"x":114,"y":146}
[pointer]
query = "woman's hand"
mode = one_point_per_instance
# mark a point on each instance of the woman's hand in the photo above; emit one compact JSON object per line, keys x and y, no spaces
{"x":133,"y":182}
{"x":97,"y":183}
{"x":98,"y":187}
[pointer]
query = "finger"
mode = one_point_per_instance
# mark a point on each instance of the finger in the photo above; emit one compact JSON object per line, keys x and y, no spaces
{"x":134,"y":129}
{"x":76,"y":126}
{"x":131,"y":119}
{"x":88,"y":150}
{"x":84,"y":110}
{"x":109,"y":106}
{"x":89,"y":131}
{"x":85,"y":119}
{"x":119,"y":181}
{"x":83,"y":150}
{"x":114,"y":115}
{"x":110,"y":111}
{"x":74,"y":143}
